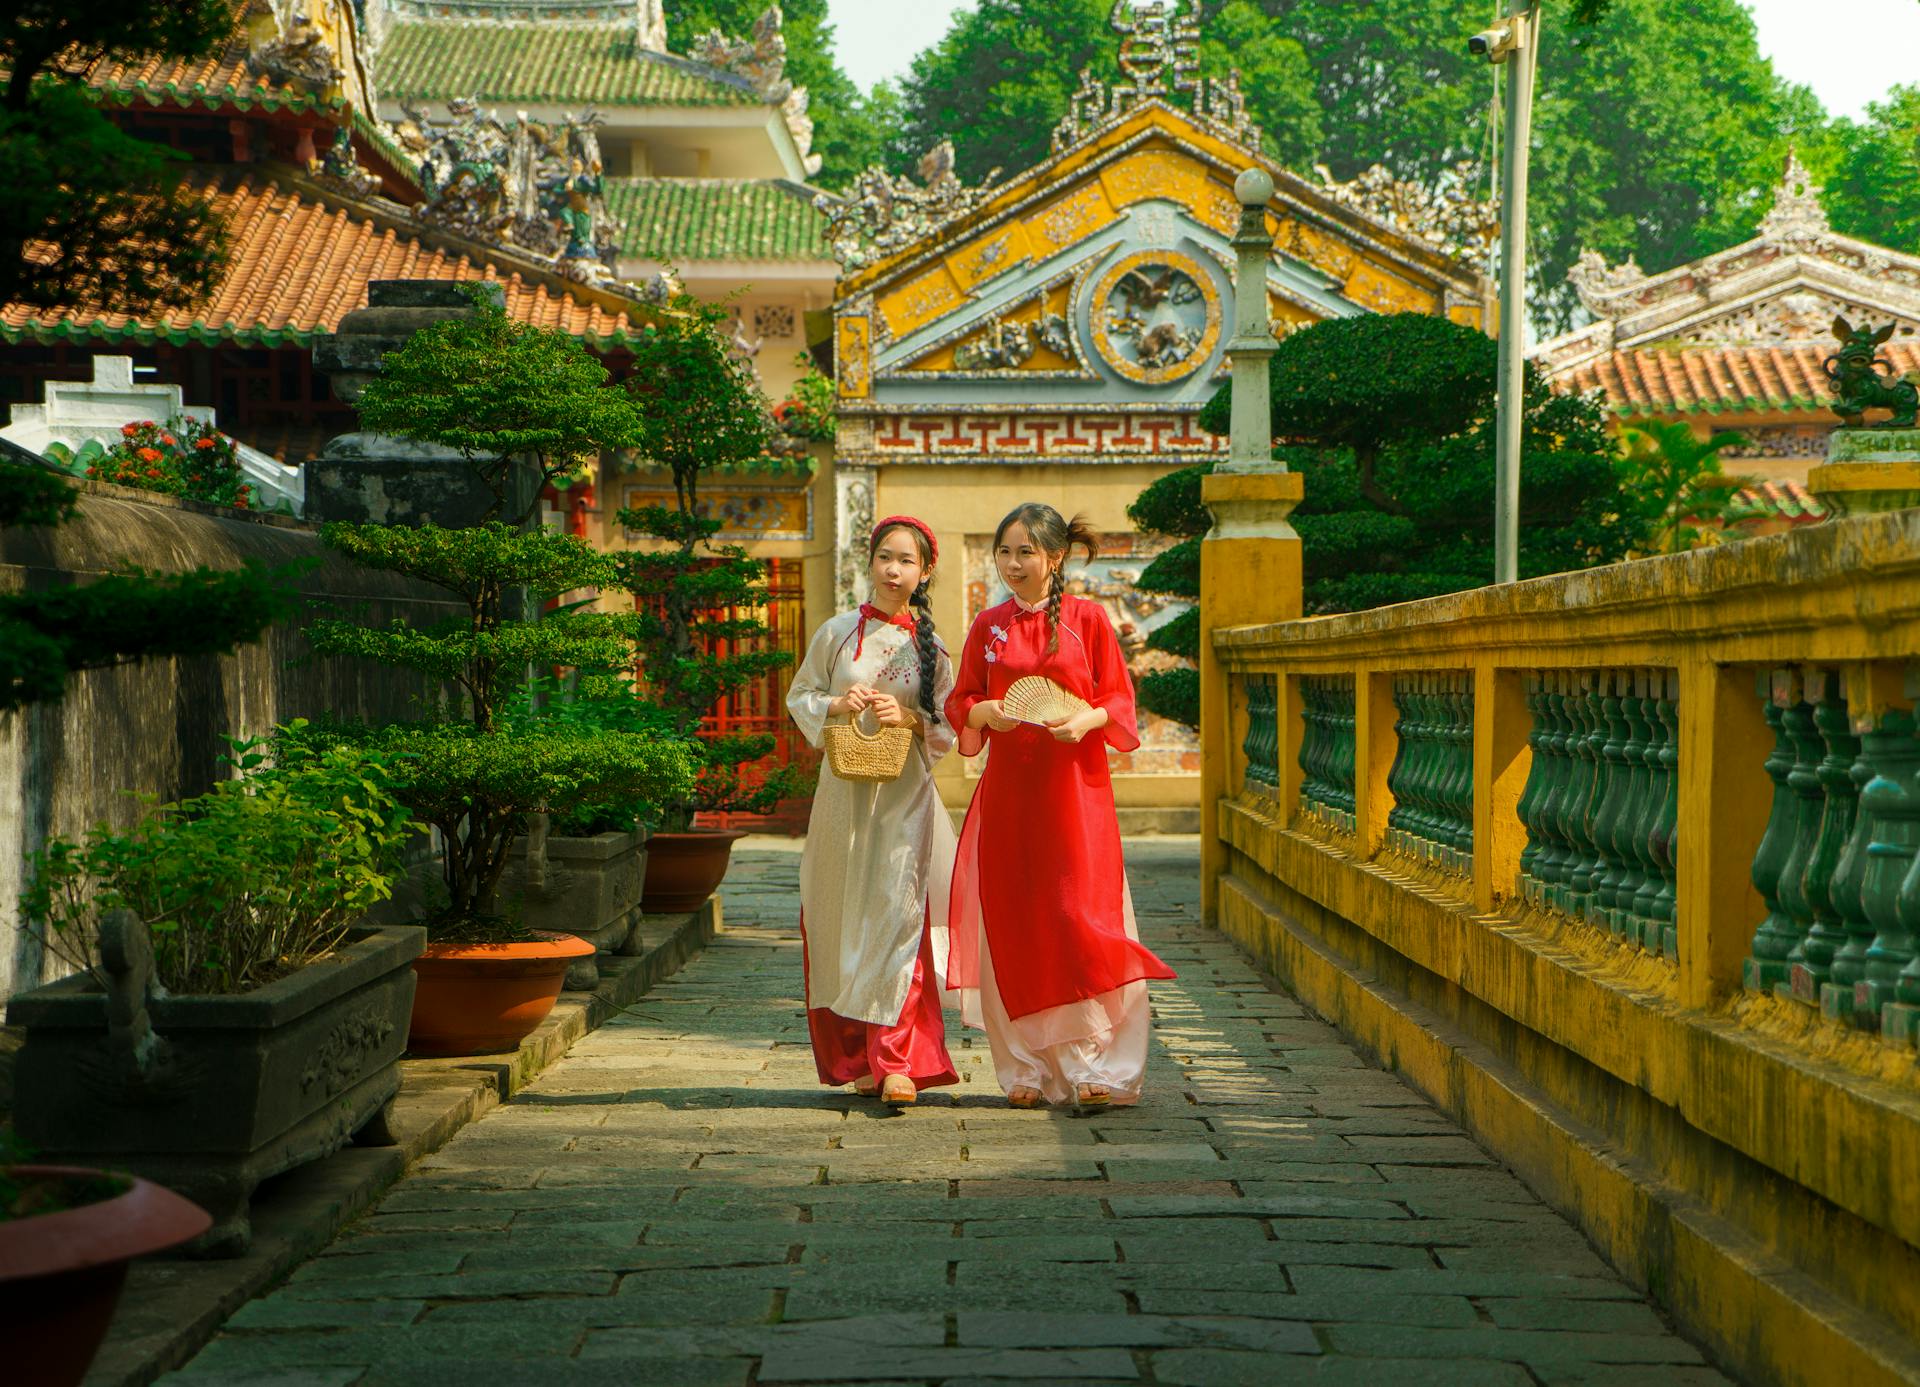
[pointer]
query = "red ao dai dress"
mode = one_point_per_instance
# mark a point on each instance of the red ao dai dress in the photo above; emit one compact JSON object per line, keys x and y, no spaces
{"x":1045,"y":955}
{"x":875,"y":871}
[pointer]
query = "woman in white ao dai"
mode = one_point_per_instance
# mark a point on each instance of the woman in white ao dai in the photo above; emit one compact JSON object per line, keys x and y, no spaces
{"x":875,"y":874}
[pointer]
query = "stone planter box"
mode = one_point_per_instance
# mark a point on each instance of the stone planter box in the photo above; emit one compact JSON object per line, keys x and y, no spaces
{"x":592,"y":890}
{"x":221,"y":1092}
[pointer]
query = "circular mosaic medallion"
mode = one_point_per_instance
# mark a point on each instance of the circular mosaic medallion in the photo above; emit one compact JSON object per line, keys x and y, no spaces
{"x":1156,"y":316}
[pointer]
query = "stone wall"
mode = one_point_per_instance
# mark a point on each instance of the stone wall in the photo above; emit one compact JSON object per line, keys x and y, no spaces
{"x":156,"y":727}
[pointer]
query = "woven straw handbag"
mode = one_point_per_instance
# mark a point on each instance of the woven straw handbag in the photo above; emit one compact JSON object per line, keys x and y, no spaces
{"x":868,"y":758}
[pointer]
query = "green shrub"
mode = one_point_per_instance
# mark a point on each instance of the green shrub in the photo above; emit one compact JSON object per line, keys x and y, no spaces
{"x":1172,"y":694}
{"x":182,"y":457}
{"x":259,"y":876}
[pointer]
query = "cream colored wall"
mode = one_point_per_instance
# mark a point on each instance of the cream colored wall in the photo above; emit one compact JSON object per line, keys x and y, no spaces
{"x":958,"y":500}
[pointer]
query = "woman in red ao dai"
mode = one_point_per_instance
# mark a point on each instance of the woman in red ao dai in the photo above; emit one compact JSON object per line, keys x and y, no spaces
{"x":1045,"y":954}
{"x":874,"y":875}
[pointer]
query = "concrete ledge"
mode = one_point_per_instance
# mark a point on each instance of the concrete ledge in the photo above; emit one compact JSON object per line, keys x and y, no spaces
{"x":172,"y":1308}
{"x":1718,"y":1239}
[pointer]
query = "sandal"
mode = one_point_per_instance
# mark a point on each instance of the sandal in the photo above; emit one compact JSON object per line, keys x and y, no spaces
{"x":1024,"y":1097}
{"x":898,"y":1091}
{"x":866,"y":1087}
{"x":1091,"y":1095}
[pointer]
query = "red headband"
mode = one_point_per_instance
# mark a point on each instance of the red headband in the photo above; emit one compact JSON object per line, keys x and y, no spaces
{"x":926,"y":532}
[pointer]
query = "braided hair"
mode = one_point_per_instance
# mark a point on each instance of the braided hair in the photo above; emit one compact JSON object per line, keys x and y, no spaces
{"x":922,"y":603}
{"x":1053,"y":535}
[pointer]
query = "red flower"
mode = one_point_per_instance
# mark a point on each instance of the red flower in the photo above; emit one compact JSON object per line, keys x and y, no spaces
{"x":203,"y":443}
{"x":129,"y":430}
{"x":167,"y":439}
{"x":149,"y":455}
{"x":153,"y":471}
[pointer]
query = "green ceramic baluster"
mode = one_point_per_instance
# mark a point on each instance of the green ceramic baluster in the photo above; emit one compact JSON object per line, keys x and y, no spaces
{"x":1610,"y":801}
{"x":1809,"y":806}
{"x":1309,"y":743}
{"x":1463,"y":770}
{"x":1402,"y":758}
{"x":1550,"y":866}
{"x":1892,"y":798}
{"x":1636,"y":820}
{"x":1849,"y":964}
{"x":1665,"y":841}
{"x":1528,"y":810}
{"x":1827,"y":932}
{"x":1776,"y":935}
{"x":1349,"y":741}
{"x":1587,"y":864}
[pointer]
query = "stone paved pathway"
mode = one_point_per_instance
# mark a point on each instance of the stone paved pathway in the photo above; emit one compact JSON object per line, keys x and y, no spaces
{"x":677,"y":1204}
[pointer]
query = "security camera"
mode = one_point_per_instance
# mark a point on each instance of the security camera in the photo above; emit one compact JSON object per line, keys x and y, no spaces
{"x":1492,"y":44}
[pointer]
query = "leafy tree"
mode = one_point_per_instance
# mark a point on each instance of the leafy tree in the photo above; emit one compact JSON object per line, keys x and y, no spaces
{"x":1676,"y":481}
{"x":123,"y":618}
{"x":498,"y":390}
{"x":1399,"y":506}
{"x":95,"y":217}
{"x":502,"y":393}
{"x":700,"y":408}
{"x":849,"y":130}
{"x":1006,"y":71}
{"x":1871,"y":171}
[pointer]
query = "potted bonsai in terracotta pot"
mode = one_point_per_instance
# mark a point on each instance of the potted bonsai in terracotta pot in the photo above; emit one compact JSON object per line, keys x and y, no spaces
{"x":582,"y":867}
{"x":511,"y":398}
{"x":67,"y":1234}
{"x":230,"y":1018}
{"x":699,"y":409}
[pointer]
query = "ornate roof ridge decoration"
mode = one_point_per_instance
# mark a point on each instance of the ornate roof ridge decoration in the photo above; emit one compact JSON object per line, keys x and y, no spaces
{"x":648,"y":18}
{"x":881,"y":213}
{"x":1447,"y":215}
{"x":531,"y":186}
{"x":762,"y":60}
{"x":1159,"y":53}
{"x":285,"y":45}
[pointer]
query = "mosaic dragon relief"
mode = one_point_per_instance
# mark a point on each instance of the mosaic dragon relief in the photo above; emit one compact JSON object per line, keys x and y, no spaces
{"x":1447,"y":215}
{"x":1007,"y":346}
{"x":1156,"y":316}
{"x":881,"y":213}
{"x":1159,"y":56}
{"x":761,"y":58}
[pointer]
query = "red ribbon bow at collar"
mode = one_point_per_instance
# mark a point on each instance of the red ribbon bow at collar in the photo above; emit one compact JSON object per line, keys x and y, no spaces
{"x":868,"y":612}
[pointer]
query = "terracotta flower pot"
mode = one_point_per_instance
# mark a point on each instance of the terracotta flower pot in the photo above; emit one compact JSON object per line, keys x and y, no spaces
{"x":61,"y":1273}
{"x":481,"y":999}
{"x":683,"y":869}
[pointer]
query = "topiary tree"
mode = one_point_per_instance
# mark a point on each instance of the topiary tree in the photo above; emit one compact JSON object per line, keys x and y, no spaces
{"x":699,"y":408}
{"x":1171,"y":506}
{"x":49,"y":635}
{"x":500,"y":391}
{"x":1391,"y":421}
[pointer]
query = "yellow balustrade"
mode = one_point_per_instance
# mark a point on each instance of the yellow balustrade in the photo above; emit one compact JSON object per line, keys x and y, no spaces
{"x":1509,"y":839}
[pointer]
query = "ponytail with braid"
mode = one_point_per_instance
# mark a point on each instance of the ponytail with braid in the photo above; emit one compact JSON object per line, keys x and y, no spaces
{"x":1054,"y":535}
{"x":923,"y":640}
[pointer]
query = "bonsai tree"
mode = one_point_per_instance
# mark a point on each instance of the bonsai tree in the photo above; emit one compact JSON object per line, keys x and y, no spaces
{"x":510,"y":398}
{"x":1391,"y":421}
{"x":48,"y":635}
{"x":499,"y":390}
{"x":699,"y":408}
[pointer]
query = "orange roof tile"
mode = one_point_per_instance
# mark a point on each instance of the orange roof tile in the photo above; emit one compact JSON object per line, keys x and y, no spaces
{"x":219,"y":80}
{"x":1717,"y":380}
{"x":299,"y":263}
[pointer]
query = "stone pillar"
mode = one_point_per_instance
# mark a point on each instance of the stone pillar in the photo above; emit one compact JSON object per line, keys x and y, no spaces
{"x":854,"y":489}
{"x":1250,"y":560}
{"x":1868,"y":470}
{"x":375,"y":478}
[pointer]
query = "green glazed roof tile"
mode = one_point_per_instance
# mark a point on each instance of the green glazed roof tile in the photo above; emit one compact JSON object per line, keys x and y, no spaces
{"x":684,"y":219}
{"x":557,"y":63}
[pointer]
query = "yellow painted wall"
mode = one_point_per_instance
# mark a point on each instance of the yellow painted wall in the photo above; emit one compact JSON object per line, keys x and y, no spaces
{"x":962,"y":500}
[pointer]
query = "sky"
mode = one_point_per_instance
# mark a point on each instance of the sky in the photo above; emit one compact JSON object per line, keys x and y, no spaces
{"x":1849,"y":51}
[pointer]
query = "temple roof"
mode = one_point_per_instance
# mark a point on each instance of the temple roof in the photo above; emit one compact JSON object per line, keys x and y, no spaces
{"x":546,"y":63}
{"x":260,"y":67}
{"x":1717,"y":380}
{"x":301,"y":260}
{"x":680,"y":219}
{"x":1741,"y":330}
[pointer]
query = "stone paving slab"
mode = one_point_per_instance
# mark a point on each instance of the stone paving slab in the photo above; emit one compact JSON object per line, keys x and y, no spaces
{"x":679,"y":1203}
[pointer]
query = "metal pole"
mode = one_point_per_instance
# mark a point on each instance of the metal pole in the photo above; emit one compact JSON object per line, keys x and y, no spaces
{"x":1513,"y":290}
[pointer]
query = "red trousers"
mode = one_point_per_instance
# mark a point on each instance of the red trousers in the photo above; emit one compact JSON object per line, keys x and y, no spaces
{"x":915,"y":1045}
